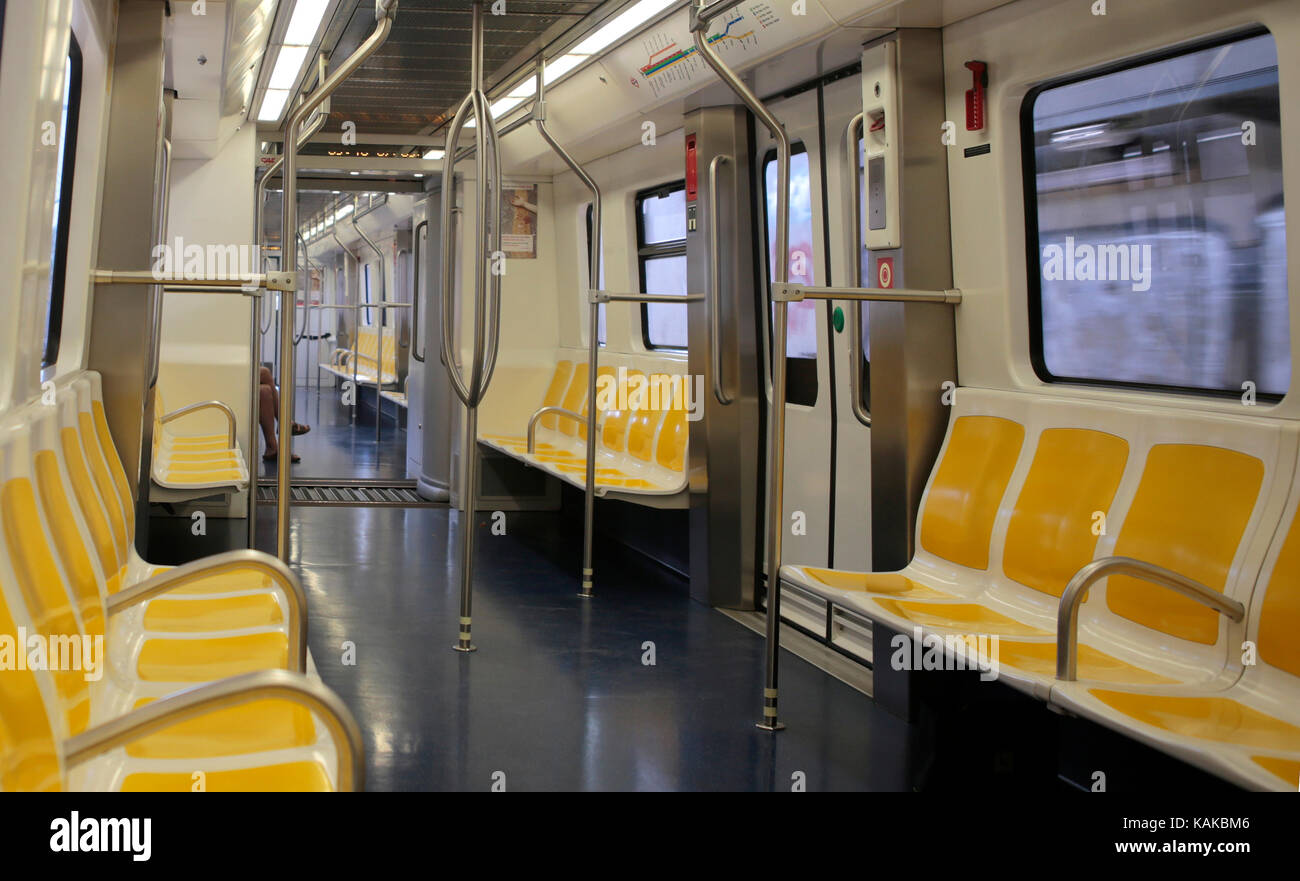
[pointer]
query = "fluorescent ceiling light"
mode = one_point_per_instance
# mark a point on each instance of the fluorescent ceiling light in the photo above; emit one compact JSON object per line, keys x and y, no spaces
{"x":287,"y":65}
{"x":526,"y":89}
{"x":354,"y":173}
{"x":562,"y":65}
{"x":344,"y":211}
{"x":435,"y":153}
{"x":305,"y":21}
{"x":272,"y":105}
{"x":622,"y":26}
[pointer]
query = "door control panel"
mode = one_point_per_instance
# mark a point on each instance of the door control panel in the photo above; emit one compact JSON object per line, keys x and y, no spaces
{"x":881,"y":134}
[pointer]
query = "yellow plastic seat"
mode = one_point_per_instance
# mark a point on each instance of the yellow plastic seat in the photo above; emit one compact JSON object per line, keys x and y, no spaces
{"x":204,"y":615}
{"x":1040,"y":658}
{"x":874,"y":582}
{"x":969,"y":617}
{"x":202,"y":660}
{"x":1205,"y":717}
{"x":289,"y":777}
{"x":248,"y":728}
{"x":1288,"y":770}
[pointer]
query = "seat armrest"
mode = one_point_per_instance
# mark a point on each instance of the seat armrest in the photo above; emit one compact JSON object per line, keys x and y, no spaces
{"x":207,"y":405}
{"x":281,"y":576}
{"x":559,"y":411}
{"x":1067,"y":616}
{"x":192,"y":703}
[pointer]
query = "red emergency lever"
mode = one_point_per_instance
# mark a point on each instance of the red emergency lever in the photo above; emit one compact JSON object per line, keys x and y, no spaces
{"x":975,"y":95}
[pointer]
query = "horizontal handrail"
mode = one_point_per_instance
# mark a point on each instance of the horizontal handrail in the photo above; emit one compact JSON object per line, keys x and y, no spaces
{"x":792,"y":293}
{"x":206,"y":405}
{"x":596,"y":296}
{"x":276,"y":281}
{"x":1067,"y":618}
{"x":542,"y":411}
{"x":220,"y":564}
{"x":192,"y":703}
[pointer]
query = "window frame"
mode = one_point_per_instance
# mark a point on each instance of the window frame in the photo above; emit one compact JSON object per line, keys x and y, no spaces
{"x":63,"y":220}
{"x":802,"y":381}
{"x":1033,"y":244}
{"x":645,"y":252}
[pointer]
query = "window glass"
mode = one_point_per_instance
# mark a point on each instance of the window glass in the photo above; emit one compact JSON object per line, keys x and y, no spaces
{"x":661,"y":255}
{"x":801,"y":323}
{"x":62,"y":214}
{"x":1156,"y":223}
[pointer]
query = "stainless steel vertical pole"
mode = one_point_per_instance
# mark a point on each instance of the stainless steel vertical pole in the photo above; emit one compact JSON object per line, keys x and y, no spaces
{"x":776,"y":417}
{"x":384,"y":12}
{"x":593,"y":333}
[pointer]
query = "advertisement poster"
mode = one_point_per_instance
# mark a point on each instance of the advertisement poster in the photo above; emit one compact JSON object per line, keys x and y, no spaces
{"x":519,"y":221}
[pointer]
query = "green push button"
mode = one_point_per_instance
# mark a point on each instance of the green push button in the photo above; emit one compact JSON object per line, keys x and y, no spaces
{"x":837,"y":319}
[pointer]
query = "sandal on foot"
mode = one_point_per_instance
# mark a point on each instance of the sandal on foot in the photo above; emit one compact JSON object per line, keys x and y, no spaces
{"x":300,"y":429}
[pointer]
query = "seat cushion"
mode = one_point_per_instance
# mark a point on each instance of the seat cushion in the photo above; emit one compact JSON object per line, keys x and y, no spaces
{"x":203,"y":660}
{"x":201,"y":615}
{"x":287,"y":777}
{"x":969,"y":617}
{"x":251,"y":727}
{"x":1208,"y":718}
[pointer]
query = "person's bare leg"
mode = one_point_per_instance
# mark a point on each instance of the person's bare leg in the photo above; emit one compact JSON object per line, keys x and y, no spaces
{"x":266,"y":380}
{"x":266,"y":418}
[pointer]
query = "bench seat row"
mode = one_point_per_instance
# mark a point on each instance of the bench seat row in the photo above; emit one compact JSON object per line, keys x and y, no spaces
{"x":1030,"y":489}
{"x":131,"y":635}
{"x":642,"y":431}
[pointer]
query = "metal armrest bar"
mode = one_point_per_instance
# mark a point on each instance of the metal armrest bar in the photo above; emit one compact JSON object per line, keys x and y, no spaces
{"x":207,"y":405}
{"x":1067,"y":619}
{"x":193,"y":703}
{"x":220,"y":564}
{"x":795,"y":292}
{"x":559,"y":411}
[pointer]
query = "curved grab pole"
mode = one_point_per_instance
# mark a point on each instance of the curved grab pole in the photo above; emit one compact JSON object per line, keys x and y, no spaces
{"x":593,"y":332}
{"x":379,"y":326}
{"x":700,"y":17}
{"x":385,"y":10}
{"x":307,"y":267}
{"x":851,"y":135}
{"x":487,"y":300}
{"x":261,"y":311}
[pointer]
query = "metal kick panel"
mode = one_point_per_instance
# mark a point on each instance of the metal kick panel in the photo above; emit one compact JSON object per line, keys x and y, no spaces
{"x":726,"y":452}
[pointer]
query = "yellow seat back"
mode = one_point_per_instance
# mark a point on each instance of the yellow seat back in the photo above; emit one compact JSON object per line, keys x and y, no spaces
{"x":574,"y":398}
{"x":29,"y":759}
{"x":42,"y":589}
{"x":967,"y":488}
{"x":1189,"y":514}
{"x":1053,"y":530}
{"x":555,"y":392}
{"x":1279,"y":614}
{"x":614,"y":434}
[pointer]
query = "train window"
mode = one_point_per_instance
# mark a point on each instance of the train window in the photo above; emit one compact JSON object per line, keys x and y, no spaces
{"x":661,"y":261}
{"x":600,"y":309}
{"x":1156,"y":239}
{"x":801,"y":318}
{"x":62,"y":217}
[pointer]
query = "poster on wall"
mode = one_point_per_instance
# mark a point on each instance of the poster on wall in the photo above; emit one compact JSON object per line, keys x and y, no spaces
{"x":519,"y":221}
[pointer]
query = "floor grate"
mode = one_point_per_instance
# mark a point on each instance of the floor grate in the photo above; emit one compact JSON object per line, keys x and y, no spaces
{"x":363,"y":493}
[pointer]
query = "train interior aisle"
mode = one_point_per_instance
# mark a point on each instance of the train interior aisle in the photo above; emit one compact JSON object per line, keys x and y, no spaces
{"x":629,"y":395}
